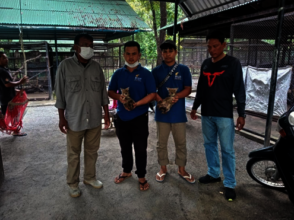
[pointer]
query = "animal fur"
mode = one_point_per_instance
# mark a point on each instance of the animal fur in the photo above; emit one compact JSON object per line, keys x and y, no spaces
{"x":165,"y":104}
{"x":129,"y":102}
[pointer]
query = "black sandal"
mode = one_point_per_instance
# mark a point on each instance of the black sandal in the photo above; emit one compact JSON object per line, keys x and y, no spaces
{"x":142,"y":184}
{"x":122,"y":177}
{"x":19,"y":134}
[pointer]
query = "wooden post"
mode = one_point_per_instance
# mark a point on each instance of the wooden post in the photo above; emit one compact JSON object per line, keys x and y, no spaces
{"x":48,"y":71}
{"x":179,"y":42}
{"x":175,"y":20}
{"x":119,"y":57}
{"x":1,"y":169}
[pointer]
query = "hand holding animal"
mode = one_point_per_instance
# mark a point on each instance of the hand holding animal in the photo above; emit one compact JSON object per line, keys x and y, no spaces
{"x":165,"y":104}
{"x":127,"y":100}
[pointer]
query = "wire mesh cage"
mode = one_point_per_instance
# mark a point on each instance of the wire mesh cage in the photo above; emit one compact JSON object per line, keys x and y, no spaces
{"x":253,"y":43}
{"x":108,"y":55}
{"x":38,"y":67}
{"x":193,"y":53}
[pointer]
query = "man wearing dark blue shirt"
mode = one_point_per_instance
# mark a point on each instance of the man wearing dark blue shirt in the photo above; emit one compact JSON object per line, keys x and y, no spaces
{"x":175,"y":119}
{"x":132,"y":125}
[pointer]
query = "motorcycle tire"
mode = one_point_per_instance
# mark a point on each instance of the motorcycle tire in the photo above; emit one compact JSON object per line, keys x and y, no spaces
{"x":264,"y":171}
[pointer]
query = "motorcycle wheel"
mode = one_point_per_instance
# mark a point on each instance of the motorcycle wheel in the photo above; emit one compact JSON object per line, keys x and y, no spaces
{"x":265,"y":172}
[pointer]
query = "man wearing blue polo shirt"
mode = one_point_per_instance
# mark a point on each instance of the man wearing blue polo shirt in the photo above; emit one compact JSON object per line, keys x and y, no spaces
{"x":174,"y":120}
{"x":132,"y":125}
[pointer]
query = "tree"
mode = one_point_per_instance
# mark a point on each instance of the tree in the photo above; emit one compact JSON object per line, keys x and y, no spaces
{"x":156,"y":15}
{"x":159,"y":39}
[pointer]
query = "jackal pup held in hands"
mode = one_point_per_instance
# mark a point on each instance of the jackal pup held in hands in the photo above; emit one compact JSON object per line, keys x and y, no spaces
{"x":165,"y":104}
{"x":129,"y":102}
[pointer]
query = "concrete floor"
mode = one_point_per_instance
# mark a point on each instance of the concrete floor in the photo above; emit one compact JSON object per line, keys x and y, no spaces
{"x":35,"y":187}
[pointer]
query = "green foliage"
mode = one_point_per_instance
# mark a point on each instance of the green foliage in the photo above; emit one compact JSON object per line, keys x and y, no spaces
{"x":272,"y":42}
{"x":3,"y":49}
{"x":147,"y":39}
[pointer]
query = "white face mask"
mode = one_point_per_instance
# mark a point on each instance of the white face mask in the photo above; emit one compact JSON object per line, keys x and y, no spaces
{"x":87,"y":52}
{"x":132,"y":65}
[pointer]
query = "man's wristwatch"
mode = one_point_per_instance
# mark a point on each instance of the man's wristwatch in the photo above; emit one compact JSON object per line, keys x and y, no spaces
{"x":244,"y":116}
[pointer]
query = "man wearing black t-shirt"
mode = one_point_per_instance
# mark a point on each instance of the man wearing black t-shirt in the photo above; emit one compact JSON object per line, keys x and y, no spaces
{"x":220,"y":78}
{"x":7,"y":86}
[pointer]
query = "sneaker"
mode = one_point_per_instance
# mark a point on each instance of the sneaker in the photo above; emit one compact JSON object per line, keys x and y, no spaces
{"x":74,"y":192}
{"x":95,"y":183}
{"x":208,"y":179}
{"x":230,"y":194}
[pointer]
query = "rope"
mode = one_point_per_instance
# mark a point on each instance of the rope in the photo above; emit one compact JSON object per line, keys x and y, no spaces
{"x":17,"y":103}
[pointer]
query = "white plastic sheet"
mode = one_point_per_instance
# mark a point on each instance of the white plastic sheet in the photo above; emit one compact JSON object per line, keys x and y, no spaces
{"x":244,"y":69}
{"x":258,"y":86}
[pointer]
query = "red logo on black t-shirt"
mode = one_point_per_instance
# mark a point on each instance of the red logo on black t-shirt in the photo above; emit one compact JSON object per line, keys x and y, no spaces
{"x":211,"y":80}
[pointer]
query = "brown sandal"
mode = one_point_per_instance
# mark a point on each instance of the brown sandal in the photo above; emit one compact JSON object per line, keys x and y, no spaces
{"x":143,"y":184}
{"x":121,"y":177}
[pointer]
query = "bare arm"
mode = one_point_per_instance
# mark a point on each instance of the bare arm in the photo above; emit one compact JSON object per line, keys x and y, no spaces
{"x":112,"y":94}
{"x":63,"y":125}
{"x":184,"y":93}
{"x":157,"y":97}
{"x":14,"y":84}
{"x":193,"y":114}
{"x":106,"y":117}
{"x":146,"y":99}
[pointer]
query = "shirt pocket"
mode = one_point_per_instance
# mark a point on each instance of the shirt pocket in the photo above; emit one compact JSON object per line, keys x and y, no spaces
{"x":74,"y":84}
{"x":95,"y":83}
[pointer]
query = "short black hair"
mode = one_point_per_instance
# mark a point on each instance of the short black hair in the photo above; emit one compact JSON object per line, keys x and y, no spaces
{"x":168,"y":44}
{"x":132,"y":44}
{"x":168,"y":47}
{"x":216,"y":34}
{"x":79,"y":36}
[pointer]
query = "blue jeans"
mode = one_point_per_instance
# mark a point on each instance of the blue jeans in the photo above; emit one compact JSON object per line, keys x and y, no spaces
{"x":213,"y":127}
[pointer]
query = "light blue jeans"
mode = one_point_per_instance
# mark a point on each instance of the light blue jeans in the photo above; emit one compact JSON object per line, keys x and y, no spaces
{"x":223,"y":128}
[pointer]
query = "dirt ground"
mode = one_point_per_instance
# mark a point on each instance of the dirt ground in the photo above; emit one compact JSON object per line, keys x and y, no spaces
{"x":35,"y":186}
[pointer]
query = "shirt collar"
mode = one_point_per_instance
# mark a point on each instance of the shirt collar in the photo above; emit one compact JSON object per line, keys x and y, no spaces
{"x":77,"y":61}
{"x":4,"y":67}
{"x":166,"y":66}
{"x":138,"y":68}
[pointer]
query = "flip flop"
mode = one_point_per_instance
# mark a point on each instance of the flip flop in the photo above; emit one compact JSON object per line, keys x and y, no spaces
{"x":142,"y":184}
{"x":187,"y":177}
{"x":122,"y":177}
{"x":160,"y":175}
{"x":19,"y":134}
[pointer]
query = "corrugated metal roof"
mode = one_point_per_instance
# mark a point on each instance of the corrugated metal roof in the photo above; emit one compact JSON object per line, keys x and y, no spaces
{"x":89,"y":13}
{"x":199,"y":8}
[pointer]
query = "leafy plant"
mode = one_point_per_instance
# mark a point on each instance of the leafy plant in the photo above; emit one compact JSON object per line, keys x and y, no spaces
{"x":152,"y":13}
